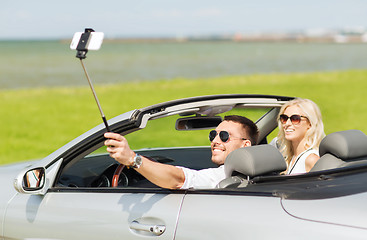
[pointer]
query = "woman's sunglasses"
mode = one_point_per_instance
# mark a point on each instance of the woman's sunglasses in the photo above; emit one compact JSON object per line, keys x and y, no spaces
{"x":223,"y":135}
{"x":295,"y":119}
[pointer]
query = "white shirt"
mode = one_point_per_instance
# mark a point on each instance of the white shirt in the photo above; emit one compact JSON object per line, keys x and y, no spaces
{"x":205,"y":178}
{"x":299,"y":165}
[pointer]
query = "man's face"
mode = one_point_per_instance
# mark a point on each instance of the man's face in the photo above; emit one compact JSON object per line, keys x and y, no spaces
{"x":220,"y":149}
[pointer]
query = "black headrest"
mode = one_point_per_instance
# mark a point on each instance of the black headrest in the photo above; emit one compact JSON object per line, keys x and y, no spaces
{"x":346,"y":145}
{"x":254,"y":161}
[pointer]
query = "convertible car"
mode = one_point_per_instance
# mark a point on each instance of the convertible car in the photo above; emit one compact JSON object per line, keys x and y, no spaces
{"x":79,"y":192}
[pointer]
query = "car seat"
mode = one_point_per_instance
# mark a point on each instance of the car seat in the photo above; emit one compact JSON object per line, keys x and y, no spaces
{"x":342,"y":149}
{"x":243,"y":164}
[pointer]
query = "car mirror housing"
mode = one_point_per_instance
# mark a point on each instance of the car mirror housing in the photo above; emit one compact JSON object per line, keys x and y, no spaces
{"x":30,"y":181}
{"x":198,"y":123}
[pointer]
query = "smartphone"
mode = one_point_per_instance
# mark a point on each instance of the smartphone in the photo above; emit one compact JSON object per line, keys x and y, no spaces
{"x":94,"y":42}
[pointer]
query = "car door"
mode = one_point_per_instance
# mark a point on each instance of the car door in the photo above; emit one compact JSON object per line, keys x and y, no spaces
{"x":93,"y":214}
{"x":80,"y":212}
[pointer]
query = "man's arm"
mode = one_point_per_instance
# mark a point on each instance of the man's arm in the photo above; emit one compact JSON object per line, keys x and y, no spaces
{"x":163,"y":175}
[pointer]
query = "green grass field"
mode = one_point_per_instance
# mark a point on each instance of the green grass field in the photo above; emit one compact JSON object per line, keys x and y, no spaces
{"x":35,"y":122}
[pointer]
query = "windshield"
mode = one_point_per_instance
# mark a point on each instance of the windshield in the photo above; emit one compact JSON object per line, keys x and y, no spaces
{"x":162,"y":132}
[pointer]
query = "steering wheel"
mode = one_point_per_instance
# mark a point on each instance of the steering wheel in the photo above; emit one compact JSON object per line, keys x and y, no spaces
{"x":116,"y":176}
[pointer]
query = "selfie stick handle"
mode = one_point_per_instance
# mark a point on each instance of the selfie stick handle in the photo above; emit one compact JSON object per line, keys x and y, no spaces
{"x":95,"y":97}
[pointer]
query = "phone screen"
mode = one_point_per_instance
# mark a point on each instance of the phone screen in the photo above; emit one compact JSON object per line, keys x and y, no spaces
{"x":94,"y":43}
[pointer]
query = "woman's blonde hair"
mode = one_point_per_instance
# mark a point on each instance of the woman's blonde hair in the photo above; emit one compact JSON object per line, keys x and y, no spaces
{"x":314,"y":134}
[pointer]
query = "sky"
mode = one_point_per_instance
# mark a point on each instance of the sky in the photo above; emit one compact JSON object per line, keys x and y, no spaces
{"x":45,"y":19}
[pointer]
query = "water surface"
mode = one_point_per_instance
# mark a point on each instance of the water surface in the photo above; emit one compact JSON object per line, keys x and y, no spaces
{"x":51,"y":63}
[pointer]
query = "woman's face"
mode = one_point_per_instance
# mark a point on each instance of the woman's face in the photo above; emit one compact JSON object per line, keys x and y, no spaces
{"x":295,"y":132}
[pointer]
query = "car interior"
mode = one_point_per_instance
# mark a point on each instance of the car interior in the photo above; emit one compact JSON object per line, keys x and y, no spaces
{"x":97,"y":170}
{"x":245,"y":167}
{"x":244,"y":164}
{"x":337,"y":150}
{"x":342,"y":149}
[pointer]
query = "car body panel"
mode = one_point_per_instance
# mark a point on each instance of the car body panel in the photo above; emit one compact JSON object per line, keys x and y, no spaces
{"x":83,"y":215}
{"x":330,"y":211}
{"x":250,"y":217}
{"x":7,"y":174}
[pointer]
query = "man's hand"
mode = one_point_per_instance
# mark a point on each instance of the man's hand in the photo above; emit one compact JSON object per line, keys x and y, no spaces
{"x":119,"y":149}
{"x":163,"y":175}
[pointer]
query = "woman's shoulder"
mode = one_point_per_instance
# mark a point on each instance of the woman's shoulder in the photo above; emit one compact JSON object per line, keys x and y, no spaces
{"x":311,"y":152}
{"x":312,"y":156}
{"x":311,"y":159}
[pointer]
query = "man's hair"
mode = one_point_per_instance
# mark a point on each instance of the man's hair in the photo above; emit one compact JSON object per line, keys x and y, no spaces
{"x":249,"y":126}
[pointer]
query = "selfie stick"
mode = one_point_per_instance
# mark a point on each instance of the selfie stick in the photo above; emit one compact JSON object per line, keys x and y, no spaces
{"x":82,"y":54}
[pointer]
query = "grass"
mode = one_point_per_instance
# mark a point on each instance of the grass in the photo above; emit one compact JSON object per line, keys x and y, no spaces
{"x":35,"y":122}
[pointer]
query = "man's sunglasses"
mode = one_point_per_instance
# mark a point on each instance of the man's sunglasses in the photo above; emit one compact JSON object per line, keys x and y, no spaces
{"x":295,"y":119}
{"x":223,"y":135}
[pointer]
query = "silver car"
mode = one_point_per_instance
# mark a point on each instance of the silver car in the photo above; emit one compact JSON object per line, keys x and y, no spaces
{"x":79,"y":192}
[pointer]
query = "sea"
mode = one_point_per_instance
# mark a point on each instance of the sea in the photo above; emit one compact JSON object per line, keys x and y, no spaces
{"x":35,"y":64}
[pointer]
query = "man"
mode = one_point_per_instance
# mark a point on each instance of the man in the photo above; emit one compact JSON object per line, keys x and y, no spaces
{"x":232,"y":133}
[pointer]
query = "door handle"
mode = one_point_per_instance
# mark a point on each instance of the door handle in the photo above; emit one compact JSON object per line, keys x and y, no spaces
{"x":156,"y":230}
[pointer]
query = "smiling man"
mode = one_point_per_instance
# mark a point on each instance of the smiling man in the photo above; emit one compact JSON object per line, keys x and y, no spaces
{"x":232,"y":133}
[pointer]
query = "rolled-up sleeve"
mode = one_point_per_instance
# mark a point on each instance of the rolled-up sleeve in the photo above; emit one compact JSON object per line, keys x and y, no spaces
{"x":200,"y":179}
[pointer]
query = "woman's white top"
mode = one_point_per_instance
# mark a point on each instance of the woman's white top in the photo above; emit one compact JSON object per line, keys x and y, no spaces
{"x":299,"y":165}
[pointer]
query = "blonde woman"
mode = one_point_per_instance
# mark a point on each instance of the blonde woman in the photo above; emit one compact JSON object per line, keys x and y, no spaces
{"x":300,"y":133}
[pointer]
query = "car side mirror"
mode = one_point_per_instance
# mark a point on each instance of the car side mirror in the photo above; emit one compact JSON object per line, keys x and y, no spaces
{"x":31,"y":181}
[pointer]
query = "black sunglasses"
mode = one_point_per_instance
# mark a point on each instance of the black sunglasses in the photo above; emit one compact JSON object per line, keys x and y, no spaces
{"x":223,"y":135}
{"x":295,"y":119}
